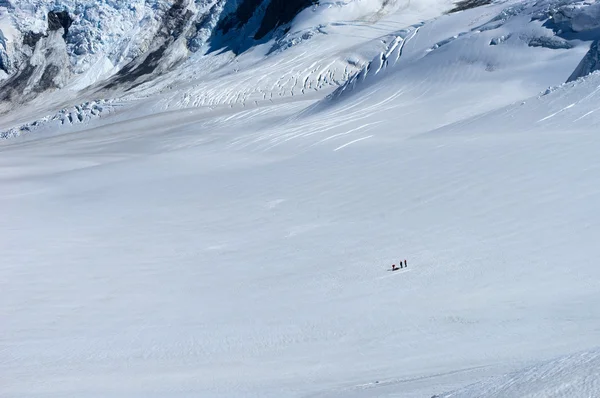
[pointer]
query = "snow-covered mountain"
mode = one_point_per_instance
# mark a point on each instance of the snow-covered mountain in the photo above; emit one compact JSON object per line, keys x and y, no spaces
{"x":104,"y":50}
{"x":204,"y":199}
{"x":118,"y":43}
{"x":83,"y":56}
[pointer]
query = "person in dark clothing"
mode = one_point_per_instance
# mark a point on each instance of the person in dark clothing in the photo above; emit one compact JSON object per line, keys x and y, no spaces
{"x":405,"y":264}
{"x":394,"y":268}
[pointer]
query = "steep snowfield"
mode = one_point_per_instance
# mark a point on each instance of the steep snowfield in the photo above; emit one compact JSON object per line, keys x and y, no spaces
{"x":243,"y":250}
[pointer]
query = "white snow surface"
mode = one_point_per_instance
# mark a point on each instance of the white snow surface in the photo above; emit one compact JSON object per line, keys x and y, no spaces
{"x":242,"y":249}
{"x":577,"y":375}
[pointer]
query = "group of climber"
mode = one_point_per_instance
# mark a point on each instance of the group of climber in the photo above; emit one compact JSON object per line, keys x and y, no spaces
{"x":403,"y":264}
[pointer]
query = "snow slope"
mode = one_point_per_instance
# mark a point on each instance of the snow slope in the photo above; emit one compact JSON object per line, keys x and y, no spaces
{"x":243,"y":251}
{"x":322,"y":50}
{"x":573,"y":376}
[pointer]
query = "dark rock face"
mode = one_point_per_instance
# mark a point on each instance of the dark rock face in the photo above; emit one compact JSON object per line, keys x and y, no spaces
{"x":133,"y":71}
{"x":276,"y":13}
{"x":4,"y":62}
{"x":24,"y":85}
{"x":281,"y":12}
{"x":194,"y":43}
{"x":46,"y":81}
{"x":173,"y":26}
{"x":463,"y":5}
{"x":31,"y":39}
{"x":590,"y":63}
{"x":240,"y":17}
{"x":49,"y":73}
{"x":58,"y":20}
{"x":175,"y":20}
{"x":15,"y":85}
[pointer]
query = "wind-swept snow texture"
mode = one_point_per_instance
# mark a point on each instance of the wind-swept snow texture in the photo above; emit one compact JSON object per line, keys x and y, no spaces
{"x":577,"y":375}
{"x":228,"y":234}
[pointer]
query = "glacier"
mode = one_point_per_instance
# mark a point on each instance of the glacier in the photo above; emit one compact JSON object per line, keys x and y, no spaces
{"x":224,"y":225}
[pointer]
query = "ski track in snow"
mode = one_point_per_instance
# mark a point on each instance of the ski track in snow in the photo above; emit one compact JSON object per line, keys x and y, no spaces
{"x":352,"y":142}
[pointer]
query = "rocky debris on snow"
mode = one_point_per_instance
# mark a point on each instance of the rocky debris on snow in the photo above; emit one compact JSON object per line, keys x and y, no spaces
{"x":44,"y":65}
{"x":551,"y":42}
{"x":173,"y":25}
{"x":47,"y":68}
{"x":463,"y":5}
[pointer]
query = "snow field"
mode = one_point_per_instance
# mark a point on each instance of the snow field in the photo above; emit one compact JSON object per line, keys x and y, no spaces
{"x":241,"y":272}
{"x":244,"y":251}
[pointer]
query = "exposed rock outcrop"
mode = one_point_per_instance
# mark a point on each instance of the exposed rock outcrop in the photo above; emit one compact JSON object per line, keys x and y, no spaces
{"x":590,"y":63}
